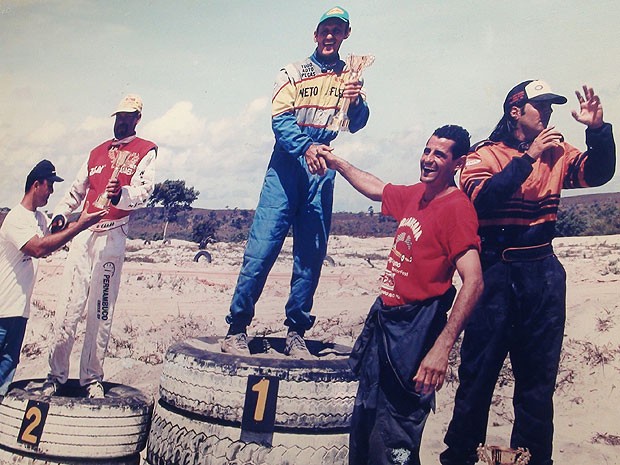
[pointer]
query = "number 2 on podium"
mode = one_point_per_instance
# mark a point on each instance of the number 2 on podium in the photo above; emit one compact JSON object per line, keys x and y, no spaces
{"x":33,"y":422}
{"x":33,"y":414}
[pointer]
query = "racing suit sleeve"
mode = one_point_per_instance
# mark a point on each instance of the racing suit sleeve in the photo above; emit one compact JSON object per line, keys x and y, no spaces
{"x":358,"y":114}
{"x":283,"y":122}
{"x":76,"y":193}
{"x":597,"y":165}
{"x":488,"y":185}
{"x":136,"y":194}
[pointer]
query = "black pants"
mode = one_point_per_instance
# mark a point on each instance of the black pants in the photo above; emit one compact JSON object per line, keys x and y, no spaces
{"x":389,"y":434}
{"x":521,"y":313}
{"x":389,"y":416}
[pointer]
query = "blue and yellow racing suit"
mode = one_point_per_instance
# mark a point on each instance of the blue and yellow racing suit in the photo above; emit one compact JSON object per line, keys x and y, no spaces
{"x":306,"y":94}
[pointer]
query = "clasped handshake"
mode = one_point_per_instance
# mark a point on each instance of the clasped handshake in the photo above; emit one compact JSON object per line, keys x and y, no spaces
{"x":318,"y":158}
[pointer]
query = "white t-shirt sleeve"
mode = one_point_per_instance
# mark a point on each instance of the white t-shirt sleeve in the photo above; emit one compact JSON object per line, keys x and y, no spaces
{"x":21,"y":228}
{"x":18,"y":270}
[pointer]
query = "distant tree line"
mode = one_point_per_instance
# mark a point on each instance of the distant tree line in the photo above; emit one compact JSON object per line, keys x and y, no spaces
{"x":588,"y":219}
{"x":207,"y":226}
{"x":170,"y":215}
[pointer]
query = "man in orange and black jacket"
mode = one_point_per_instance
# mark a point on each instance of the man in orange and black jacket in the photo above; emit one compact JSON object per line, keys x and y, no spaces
{"x":514,"y":180}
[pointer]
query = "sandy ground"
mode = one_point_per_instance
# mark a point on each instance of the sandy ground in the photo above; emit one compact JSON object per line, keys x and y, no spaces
{"x":166,"y":297}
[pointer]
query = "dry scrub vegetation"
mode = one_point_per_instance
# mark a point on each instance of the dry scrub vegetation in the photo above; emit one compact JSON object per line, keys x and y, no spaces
{"x":167,"y":297}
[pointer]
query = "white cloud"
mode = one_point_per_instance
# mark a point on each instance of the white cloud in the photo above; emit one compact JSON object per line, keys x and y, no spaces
{"x":91,"y":124}
{"x":178,"y":127}
{"x":51,"y":132}
{"x":256,"y":109}
{"x":224,"y":159}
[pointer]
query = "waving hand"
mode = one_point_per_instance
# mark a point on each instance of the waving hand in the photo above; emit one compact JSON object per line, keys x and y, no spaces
{"x":591,"y":110}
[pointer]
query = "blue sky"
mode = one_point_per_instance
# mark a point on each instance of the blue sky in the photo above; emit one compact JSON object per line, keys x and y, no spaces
{"x":205,"y":70}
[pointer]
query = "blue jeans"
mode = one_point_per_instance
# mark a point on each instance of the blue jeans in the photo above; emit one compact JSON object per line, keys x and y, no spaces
{"x":12,"y":331}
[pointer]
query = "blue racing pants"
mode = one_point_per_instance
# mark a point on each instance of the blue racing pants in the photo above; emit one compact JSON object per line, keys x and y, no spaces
{"x":290,"y":197}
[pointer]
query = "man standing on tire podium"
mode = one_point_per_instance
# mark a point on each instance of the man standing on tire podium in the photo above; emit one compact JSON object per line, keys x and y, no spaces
{"x":298,"y":188}
{"x":401,"y":356}
{"x":119,"y":176}
{"x":514,"y":180}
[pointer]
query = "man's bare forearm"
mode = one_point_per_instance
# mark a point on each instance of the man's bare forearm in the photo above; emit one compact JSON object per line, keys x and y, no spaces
{"x":365,"y":183}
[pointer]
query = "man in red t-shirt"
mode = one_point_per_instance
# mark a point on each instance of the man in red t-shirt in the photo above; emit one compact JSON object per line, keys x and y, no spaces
{"x":402,"y":353}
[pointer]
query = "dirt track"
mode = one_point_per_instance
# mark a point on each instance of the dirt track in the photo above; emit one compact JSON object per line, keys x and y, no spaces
{"x":166,"y":297}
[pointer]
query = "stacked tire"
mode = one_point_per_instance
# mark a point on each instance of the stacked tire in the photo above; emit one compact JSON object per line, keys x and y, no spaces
{"x":58,"y":430}
{"x":203,"y":406}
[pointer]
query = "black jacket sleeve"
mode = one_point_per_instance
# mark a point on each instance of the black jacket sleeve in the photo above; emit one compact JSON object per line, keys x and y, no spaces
{"x":600,"y":165}
{"x":502,"y":185}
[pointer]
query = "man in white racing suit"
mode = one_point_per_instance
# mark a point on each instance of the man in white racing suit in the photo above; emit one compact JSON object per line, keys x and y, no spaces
{"x":119,"y":175}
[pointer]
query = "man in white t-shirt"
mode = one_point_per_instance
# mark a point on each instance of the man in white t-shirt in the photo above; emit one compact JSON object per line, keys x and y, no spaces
{"x":24,"y":235}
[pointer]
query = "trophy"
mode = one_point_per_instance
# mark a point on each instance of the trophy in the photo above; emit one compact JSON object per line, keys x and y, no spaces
{"x":119,"y":159}
{"x":495,"y":455}
{"x":355,"y":64}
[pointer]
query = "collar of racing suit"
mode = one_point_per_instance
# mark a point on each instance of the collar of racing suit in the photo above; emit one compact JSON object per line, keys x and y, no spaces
{"x":520,"y":145}
{"x":126,"y":140}
{"x":336,"y":66}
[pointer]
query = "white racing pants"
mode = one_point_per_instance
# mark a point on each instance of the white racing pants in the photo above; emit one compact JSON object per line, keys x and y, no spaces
{"x":91,"y":280}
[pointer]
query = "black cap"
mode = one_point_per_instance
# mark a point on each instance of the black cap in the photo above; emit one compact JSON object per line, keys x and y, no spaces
{"x":44,"y":170}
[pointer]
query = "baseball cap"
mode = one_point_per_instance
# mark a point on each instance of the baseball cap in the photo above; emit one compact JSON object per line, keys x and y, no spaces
{"x":44,"y":170}
{"x":129,"y":104}
{"x":335,"y":12}
{"x":531,"y":91}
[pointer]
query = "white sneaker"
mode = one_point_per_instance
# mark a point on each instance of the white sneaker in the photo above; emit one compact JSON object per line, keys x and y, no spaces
{"x":295,"y":346}
{"x":95,"y":391}
{"x":50,"y":387}
{"x":236,"y":344}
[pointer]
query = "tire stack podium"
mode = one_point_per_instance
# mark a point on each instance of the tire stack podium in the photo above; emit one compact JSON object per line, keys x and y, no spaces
{"x":69,"y":429}
{"x":267,"y":409}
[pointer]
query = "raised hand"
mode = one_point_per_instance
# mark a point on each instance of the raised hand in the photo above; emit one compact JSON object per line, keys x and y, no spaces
{"x":352,"y":90}
{"x":113,"y":190}
{"x":87,"y":219}
{"x":548,"y":137}
{"x":591,"y":110}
